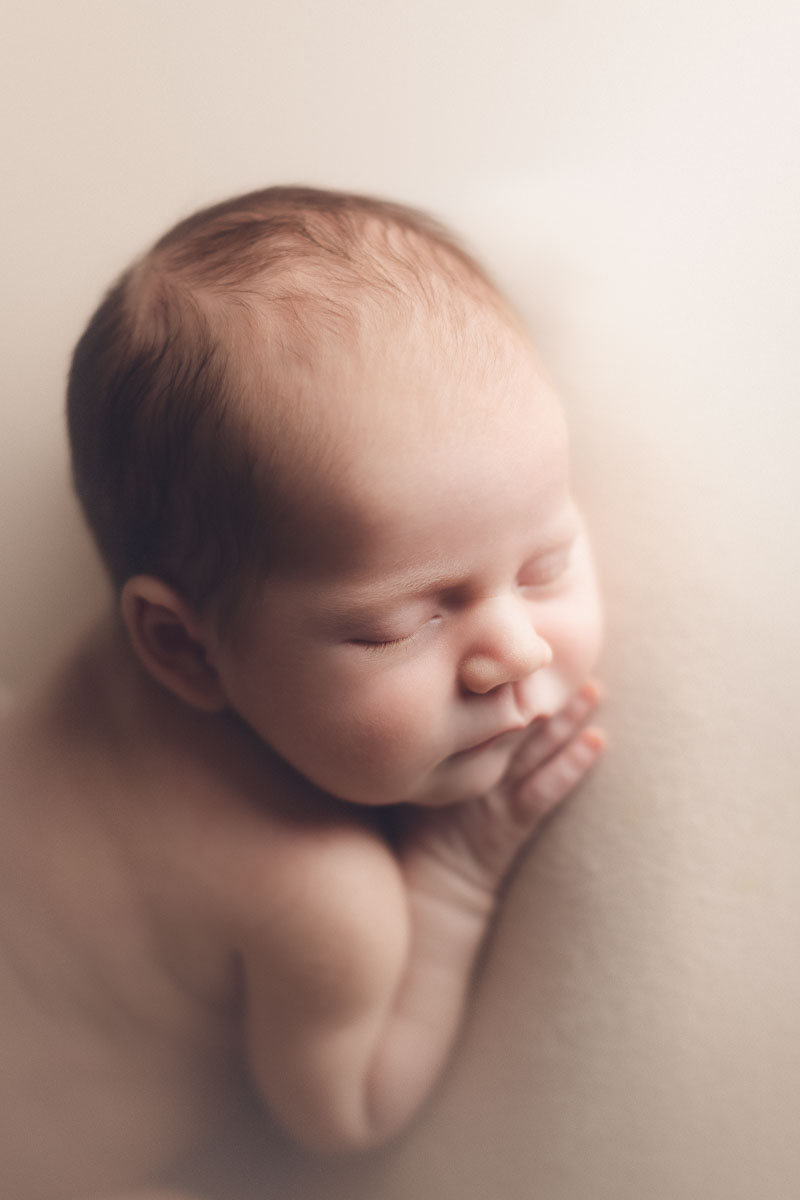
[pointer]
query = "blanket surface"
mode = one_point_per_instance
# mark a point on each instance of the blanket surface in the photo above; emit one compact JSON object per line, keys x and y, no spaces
{"x":632,"y":173}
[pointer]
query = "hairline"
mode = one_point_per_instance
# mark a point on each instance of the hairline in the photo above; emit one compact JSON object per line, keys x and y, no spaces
{"x":377,"y":255}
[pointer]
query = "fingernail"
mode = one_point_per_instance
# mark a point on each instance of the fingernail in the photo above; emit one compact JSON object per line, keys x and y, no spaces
{"x":596,"y":738}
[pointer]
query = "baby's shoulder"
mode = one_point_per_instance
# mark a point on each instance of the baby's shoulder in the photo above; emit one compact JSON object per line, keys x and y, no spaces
{"x":325,"y":920}
{"x":309,"y":864}
{"x":323,"y":861}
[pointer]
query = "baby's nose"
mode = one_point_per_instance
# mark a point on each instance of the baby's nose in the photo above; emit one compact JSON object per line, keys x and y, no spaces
{"x":506,"y":649}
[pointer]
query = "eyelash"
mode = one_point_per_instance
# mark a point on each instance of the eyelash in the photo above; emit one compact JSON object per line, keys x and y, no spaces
{"x":549,"y":574}
{"x":384,"y":643}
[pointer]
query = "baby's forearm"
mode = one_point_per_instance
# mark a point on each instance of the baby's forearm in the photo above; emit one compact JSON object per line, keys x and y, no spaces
{"x":448,"y":925}
{"x":454,"y":865}
{"x":348,"y":1040}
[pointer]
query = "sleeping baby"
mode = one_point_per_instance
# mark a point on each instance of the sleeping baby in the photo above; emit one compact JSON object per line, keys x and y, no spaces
{"x":256,"y":823}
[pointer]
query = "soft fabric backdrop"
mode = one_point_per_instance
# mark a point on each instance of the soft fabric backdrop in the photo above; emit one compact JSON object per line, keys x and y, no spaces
{"x":632,"y":172}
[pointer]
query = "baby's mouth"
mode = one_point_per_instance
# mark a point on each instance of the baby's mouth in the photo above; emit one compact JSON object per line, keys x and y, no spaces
{"x":488,"y":742}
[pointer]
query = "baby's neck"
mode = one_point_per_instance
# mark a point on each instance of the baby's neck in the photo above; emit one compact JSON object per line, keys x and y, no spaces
{"x":100,"y":686}
{"x":101,"y":702}
{"x":98,"y":699}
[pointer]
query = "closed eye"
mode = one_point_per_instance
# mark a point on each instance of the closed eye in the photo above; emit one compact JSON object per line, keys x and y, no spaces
{"x":382,"y":643}
{"x":547,"y":570}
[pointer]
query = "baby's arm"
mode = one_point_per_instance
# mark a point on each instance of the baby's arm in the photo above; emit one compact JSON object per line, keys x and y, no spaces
{"x":355,"y":994}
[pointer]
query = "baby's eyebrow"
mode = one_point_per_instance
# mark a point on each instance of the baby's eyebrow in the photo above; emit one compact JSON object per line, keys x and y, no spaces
{"x":412,"y":584}
{"x":419,"y":582}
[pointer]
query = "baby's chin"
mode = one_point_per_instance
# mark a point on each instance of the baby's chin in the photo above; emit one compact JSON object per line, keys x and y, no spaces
{"x":463,"y":778}
{"x":458,"y":779}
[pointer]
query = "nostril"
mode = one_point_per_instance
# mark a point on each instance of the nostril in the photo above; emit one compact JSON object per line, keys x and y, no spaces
{"x":482,"y":673}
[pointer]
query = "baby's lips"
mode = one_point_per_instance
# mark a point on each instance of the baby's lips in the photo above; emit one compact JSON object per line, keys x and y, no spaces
{"x":588,"y":696}
{"x":538,"y":723}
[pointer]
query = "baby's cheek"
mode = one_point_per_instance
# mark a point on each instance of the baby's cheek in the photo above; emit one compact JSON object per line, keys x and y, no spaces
{"x":580,"y":632}
{"x":593,"y":630}
{"x":579,"y":616}
{"x":397,"y":715}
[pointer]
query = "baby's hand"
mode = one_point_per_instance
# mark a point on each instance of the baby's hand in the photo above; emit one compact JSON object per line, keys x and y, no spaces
{"x":475,"y":843}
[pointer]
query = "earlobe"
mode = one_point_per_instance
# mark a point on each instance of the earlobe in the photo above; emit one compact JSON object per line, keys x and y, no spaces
{"x":170,"y":642}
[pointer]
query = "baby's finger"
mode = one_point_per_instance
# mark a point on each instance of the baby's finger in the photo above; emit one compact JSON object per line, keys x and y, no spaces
{"x":555,"y":732}
{"x":537,"y":795}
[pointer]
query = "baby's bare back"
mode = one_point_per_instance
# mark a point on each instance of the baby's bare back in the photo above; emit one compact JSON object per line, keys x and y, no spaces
{"x":118,"y":1030}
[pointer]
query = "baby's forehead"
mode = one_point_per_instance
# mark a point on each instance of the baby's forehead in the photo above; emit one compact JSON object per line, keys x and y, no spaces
{"x":389,"y":360}
{"x":357,"y":426}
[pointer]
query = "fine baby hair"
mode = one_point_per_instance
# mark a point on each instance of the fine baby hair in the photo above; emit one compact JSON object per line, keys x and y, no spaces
{"x":192,"y":344}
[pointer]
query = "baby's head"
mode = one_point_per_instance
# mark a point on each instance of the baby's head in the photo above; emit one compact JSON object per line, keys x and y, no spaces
{"x":330,"y":482}
{"x":191,"y":413}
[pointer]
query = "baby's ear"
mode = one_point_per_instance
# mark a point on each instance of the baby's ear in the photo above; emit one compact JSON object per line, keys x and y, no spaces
{"x":171,"y":641}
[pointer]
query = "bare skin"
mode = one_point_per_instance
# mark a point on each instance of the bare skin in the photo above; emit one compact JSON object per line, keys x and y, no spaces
{"x":171,"y":893}
{"x":269,"y":860}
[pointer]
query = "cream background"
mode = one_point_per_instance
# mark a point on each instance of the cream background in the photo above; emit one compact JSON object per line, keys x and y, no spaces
{"x":632,"y":172}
